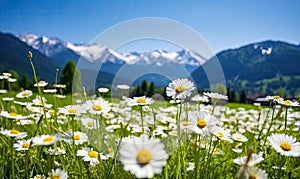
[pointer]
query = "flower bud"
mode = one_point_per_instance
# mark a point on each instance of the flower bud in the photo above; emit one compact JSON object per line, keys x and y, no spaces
{"x":29,"y":55}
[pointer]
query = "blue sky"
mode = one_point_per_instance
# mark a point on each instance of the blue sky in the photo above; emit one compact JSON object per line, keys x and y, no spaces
{"x":223,"y":24}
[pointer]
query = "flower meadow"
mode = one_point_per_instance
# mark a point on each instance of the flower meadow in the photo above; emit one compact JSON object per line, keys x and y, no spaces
{"x":45,"y":135}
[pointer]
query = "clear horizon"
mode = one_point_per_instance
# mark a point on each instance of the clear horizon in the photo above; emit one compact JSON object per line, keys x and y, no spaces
{"x":223,"y":25}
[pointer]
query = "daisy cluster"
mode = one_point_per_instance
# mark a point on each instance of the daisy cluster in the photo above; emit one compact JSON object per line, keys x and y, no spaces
{"x":192,"y":136}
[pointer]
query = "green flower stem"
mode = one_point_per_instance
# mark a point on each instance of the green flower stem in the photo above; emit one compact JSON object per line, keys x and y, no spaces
{"x":142,"y":118}
{"x":39,"y":89}
{"x":285,"y":119}
{"x":178,"y":169}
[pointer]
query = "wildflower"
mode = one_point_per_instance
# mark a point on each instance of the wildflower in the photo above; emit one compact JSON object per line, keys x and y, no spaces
{"x":22,"y":145}
{"x":201,"y":122}
{"x":41,"y":84}
{"x":70,"y":110}
{"x":89,"y":123}
{"x":143,"y":156}
{"x":12,"y":115}
{"x":76,"y":137}
{"x":289,"y":103}
{"x":14,"y":133}
{"x":221,"y":134}
{"x":103,"y":90}
{"x":3,"y":91}
{"x":285,"y":145}
{"x":254,"y":159}
{"x":274,"y":98}
{"x":58,"y":173}
{"x":180,"y":88}
{"x":253,"y":173}
{"x":59,"y":86}
{"x":239,"y":137}
{"x":7,"y":99}
{"x":50,"y":90}
{"x":215,"y":96}
{"x":123,"y":86}
{"x":46,"y":139}
{"x":39,"y":176}
{"x":12,"y":80}
{"x":140,"y":101}
{"x":24,"y":94}
{"x":191,"y":166}
{"x":98,"y":106}
{"x":200,"y":99}
{"x":89,"y":155}
{"x":56,"y":151}
{"x":29,"y":55}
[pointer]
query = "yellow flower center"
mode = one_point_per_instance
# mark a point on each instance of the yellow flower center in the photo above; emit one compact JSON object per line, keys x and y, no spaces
{"x":97,"y":107}
{"x":141,"y":100}
{"x":276,"y":97}
{"x":201,"y":123}
{"x":252,"y":177}
{"x":287,"y":102}
{"x":72,"y":111}
{"x":286,"y":146}
{"x":220,"y":134}
{"x":185,"y":123}
{"x":13,"y":114}
{"x":90,"y":124}
{"x":24,"y":94}
{"x":93,"y":154}
{"x":76,"y":137}
{"x":49,"y":139}
{"x":25,"y":145}
{"x":179,"y":89}
{"x":111,"y":152}
{"x":55,"y":177}
{"x":143,"y":157}
{"x":14,"y":131}
{"x":239,"y":139}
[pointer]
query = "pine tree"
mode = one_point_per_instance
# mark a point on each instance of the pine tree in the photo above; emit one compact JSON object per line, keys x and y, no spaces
{"x":71,"y":74}
{"x":144,"y":88}
{"x":151,"y":90}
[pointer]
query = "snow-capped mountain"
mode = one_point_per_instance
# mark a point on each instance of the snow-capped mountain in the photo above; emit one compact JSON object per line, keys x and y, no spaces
{"x":61,"y":51}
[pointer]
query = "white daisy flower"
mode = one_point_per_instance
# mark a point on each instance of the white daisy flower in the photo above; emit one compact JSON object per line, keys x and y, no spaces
{"x":59,"y":86}
{"x":199,"y":98}
{"x":253,"y":172}
{"x":143,"y":156}
{"x":99,"y":106}
{"x":89,"y":155}
{"x":221,"y":134}
{"x":70,"y":110}
{"x":77,"y":137}
{"x":89,"y":123}
{"x":46,"y":139}
{"x":24,"y":94}
{"x":50,"y":90}
{"x":39,"y":176}
{"x":140,"y":101}
{"x":22,"y":145}
{"x":239,"y":137}
{"x":7,"y":99}
{"x":41,"y":84}
{"x":3,"y":91}
{"x":191,"y":166}
{"x":56,"y":151}
{"x":38,"y":101}
{"x":58,"y":173}
{"x":123,"y":86}
{"x":13,"y":133}
{"x":254,"y":159}
{"x":289,"y":103}
{"x":201,"y":122}
{"x":180,"y":88}
{"x":215,"y":96}
{"x":103,"y":90}
{"x":285,"y":145}
{"x":12,"y":115}
{"x":274,"y":98}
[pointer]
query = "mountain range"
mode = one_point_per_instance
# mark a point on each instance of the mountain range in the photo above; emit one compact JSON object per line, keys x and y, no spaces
{"x":262,"y":67}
